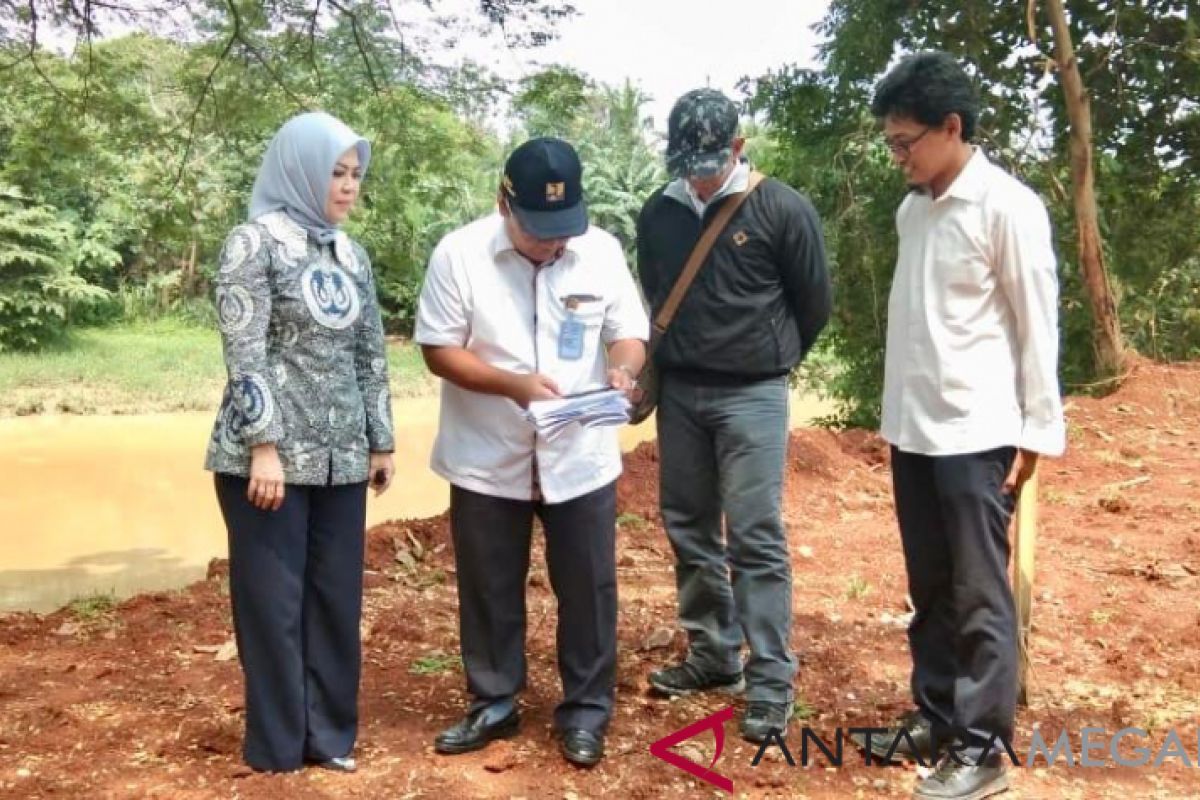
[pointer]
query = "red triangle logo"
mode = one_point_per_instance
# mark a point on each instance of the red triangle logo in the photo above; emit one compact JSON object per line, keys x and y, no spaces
{"x":715,"y":723}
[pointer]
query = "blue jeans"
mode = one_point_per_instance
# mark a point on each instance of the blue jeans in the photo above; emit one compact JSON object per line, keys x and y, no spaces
{"x":722,"y":453}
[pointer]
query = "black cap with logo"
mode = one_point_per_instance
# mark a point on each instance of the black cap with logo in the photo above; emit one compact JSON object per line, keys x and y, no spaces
{"x":543,"y":183}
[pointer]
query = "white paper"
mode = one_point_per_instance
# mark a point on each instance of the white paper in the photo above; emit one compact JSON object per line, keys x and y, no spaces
{"x":602,"y":408}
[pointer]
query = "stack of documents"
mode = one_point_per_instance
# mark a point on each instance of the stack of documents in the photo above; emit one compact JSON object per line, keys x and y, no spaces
{"x":593,"y":409}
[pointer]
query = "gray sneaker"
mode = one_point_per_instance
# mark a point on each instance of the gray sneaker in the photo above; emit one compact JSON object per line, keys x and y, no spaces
{"x":954,"y":781}
{"x":684,"y":679}
{"x":919,"y":744}
{"x":761,"y":718}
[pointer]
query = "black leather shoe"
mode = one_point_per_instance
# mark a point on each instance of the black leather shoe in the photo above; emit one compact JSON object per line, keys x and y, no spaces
{"x":921,"y":749}
{"x":474,"y":731}
{"x":954,"y":781}
{"x":761,"y":718}
{"x":581,"y":747}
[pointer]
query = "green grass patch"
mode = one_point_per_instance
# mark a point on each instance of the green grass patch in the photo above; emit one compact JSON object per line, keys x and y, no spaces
{"x":435,"y":663}
{"x":407,"y":372}
{"x":803,"y":710}
{"x":92,"y":607}
{"x":145,"y":367}
{"x":631,"y":520}
{"x":857,"y":588}
{"x":159,"y":366}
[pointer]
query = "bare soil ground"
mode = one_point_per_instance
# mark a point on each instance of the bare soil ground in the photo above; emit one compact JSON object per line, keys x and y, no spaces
{"x":141,"y":701}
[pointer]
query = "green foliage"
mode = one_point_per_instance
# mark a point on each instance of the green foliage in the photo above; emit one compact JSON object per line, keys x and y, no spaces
{"x":435,"y":663}
{"x":847,"y":172}
{"x":429,"y":173}
{"x":613,"y":138}
{"x":1165,"y":319}
{"x":93,"y":607}
{"x":1141,"y":65}
{"x":38,"y":282}
{"x":554,"y":102}
{"x":146,"y":145}
{"x":623,"y":167}
{"x":152,"y":198}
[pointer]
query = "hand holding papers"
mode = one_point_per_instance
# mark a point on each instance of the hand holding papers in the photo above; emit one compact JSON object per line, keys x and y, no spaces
{"x":601,"y":407}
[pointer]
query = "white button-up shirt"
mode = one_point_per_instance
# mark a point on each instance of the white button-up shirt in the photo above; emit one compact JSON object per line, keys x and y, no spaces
{"x":481,"y":294}
{"x":972,"y":341}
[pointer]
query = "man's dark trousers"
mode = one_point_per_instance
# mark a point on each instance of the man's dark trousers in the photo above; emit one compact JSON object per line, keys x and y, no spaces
{"x":492,"y":538}
{"x":954,"y":517}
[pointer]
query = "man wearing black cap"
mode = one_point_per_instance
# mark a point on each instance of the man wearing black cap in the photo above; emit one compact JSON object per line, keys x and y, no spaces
{"x":531,"y":304}
{"x":753,"y":311}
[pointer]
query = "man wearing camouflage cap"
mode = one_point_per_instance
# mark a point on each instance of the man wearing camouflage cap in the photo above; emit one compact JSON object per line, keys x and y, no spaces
{"x":753,"y":311}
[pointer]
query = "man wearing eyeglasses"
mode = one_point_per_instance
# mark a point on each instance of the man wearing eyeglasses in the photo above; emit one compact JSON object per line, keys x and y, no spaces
{"x":530,"y":304}
{"x":970,"y":401}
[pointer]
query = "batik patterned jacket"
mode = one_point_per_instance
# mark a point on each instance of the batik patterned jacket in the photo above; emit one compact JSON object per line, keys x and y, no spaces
{"x":304,"y":353}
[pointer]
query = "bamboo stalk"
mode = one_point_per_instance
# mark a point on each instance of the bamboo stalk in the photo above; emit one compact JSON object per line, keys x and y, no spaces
{"x":1024,"y":550}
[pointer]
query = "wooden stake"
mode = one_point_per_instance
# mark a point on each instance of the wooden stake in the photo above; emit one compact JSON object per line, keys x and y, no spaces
{"x":1024,"y":549}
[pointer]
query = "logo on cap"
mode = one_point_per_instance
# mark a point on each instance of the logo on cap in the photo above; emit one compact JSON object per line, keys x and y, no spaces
{"x":543,"y":186}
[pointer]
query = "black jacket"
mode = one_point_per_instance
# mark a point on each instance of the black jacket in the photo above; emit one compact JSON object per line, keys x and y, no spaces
{"x":759,"y":300}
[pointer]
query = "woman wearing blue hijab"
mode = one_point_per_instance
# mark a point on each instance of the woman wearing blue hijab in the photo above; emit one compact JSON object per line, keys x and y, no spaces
{"x":304,"y":423}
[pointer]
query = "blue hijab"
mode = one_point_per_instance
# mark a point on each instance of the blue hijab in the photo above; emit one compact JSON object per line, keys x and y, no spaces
{"x":298,"y":168}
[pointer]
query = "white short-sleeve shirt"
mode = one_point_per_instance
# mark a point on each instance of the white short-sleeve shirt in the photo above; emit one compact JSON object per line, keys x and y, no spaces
{"x":480,"y":294}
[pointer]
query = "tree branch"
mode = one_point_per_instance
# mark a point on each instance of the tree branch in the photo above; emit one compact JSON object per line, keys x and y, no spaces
{"x":261,"y":59}
{"x":33,"y":29}
{"x":359,"y":42}
{"x":399,"y":32}
{"x":204,"y":91}
{"x":1102,"y":62}
{"x":312,"y":44}
{"x":87,"y":28}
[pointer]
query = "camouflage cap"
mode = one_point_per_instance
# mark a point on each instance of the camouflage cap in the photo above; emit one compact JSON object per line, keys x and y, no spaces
{"x":700,"y":133}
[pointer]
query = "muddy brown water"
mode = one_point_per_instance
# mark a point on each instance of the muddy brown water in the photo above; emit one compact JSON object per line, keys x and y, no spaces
{"x":120,"y":504}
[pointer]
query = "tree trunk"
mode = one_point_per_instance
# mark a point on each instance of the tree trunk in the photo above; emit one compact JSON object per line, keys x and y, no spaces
{"x":189,"y":281}
{"x":1106,"y":328}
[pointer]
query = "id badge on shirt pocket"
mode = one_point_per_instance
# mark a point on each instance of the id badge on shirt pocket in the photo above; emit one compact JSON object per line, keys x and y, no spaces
{"x":570,"y":339}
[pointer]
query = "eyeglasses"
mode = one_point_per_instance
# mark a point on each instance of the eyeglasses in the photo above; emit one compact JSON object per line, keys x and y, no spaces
{"x":903,"y":148}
